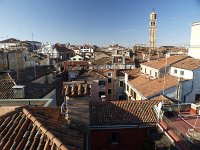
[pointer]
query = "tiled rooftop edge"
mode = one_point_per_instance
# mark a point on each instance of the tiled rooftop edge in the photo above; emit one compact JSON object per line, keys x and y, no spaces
{"x":44,"y":130}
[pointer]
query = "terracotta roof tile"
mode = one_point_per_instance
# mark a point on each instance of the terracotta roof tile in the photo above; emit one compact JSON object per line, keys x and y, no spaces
{"x":96,"y":74}
{"x":162,"y":98}
{"x":122,"y":113}
{"x":102,"y":61}
{"x":188,"y":64}
{"x":38,"y":128}
{"x":131,"y":72}
{"x":158,"y":64}
{"x":6,"y":84}
{"x":148,"y":87}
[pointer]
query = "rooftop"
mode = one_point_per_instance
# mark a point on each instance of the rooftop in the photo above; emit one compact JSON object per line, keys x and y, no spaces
{"x":158,"y":64}
{"x":188,"y":64}
{"x":6,"y":84}
{"x":144,"y":84}
{"x":29,"y":74}
{"x":38,"y":128}
{"x":132,"y":73}
{"x":162,"y":98}
{"x":102,"y":61}
{"x":122,"y":113}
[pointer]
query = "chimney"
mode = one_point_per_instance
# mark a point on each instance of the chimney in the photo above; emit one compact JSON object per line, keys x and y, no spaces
{"x":18,"y":91}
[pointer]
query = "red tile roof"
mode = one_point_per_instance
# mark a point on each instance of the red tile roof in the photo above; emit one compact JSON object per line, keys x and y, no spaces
{"x":6,"y":84}
{"x":38,"y":128}
{"x":162,"y":98}
{"x":131,"y":72}
{"x":102,"y":61}
{"x":122,"y":113}
{"x":158,"y":64}
{"x":96,"y":73}
{"x":188,"y":64}
{"x":148,"y":87}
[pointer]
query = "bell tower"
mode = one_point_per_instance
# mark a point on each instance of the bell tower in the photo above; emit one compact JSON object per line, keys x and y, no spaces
{"x":152,"y":30}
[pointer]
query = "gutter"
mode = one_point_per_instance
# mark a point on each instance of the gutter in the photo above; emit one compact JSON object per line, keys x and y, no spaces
{"x":121,"y":126}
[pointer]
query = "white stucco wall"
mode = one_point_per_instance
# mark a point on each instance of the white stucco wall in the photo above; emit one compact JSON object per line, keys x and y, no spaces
{"x":194,"y":49}
{"x":195,"y":34}
{"x":194,"y":86}
{"x":148,"y":70}
{"x":188,"y":74}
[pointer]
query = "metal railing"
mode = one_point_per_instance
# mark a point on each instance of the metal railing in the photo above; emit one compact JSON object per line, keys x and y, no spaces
{"x":183,"y":139}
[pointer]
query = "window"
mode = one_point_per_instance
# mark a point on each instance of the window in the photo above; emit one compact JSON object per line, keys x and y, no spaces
{"x":127,"y":88}
{"x":74,"y":58}
{"x":145,"y":70}
{"x":109,"y":91}
{"x":182,"y":73}
{"x":109,"y":74}
{"x":150,"y":72}
{"x":115,"y":138}
{"x":156,"y":74}
{"x":197,"y":97}
{"x":121,"y":83}
{"x":175,"y":71}
{"x":132,"y":92}
{"x":109,"y":80}
{"x":102,"y":83}
{"x":102,"y":93}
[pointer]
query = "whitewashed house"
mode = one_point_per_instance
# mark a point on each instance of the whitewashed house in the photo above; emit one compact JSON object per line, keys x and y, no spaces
{"x":188,"y":70}
{"x":142,"y":87}
{"x":158,"y":68}
{"x":76,"y":58}
{"x":48,"y":49}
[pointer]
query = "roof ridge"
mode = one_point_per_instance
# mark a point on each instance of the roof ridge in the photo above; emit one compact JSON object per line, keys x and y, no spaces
{"x":50,"y":135}
{"x":11,"y":78}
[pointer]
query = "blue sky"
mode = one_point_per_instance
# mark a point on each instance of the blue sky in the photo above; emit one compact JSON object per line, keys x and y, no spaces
{"x":99,"y":22}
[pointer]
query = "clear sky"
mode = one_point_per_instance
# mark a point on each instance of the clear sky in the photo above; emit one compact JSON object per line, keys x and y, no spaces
{"x":99,"y":22}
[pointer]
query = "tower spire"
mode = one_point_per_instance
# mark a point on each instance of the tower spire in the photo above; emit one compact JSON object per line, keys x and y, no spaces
{"x":152,"y":30}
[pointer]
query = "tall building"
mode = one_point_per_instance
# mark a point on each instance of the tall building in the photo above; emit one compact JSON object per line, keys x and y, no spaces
{"x":194,"y":49}
{"x":152,"y":31}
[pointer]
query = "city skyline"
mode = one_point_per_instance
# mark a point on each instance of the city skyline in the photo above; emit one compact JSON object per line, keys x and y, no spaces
{"x":98,"y":22}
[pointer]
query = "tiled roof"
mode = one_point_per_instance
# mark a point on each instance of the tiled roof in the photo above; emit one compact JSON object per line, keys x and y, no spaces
{"x":148,"y":87}
{"x":162,"y":98}
{"x":188,"y":64}
{"x":122,"y":113}
{"x":38,"y":128}
{"x":158,"y":64}
{"x":32,"y":90}
{"x":75,"y":63}
{"x":129,"y":60}
{"x":102,"y":61}
{"x":27,"y":75}
{"x":131,"y":72}
{"x":6,"y":84}
{"x":96,"y":74}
